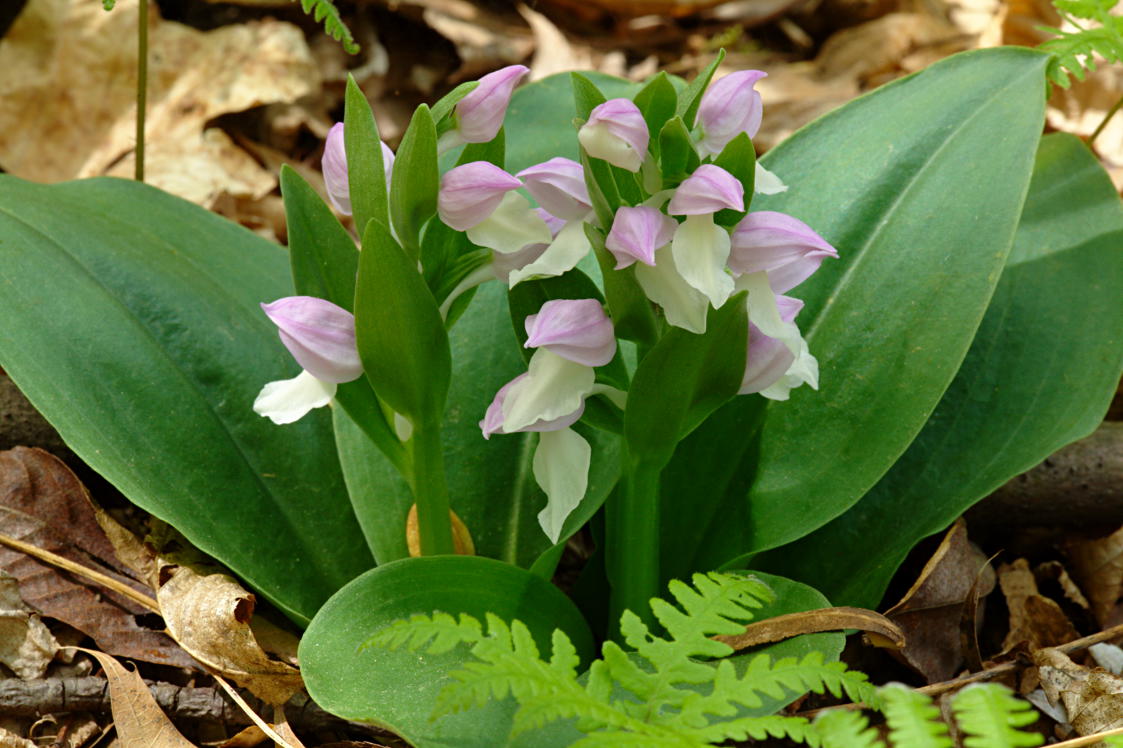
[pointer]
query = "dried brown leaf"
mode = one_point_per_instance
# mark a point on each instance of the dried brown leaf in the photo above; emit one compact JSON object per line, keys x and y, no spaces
{"x":11,"y":740}
{"x":70,"y":68}
{"x":930,"y":612}
{"x":140,"y":722}
{"x":1092,"y":698}
{"x":26,"y":645}
{"x":209,"y":614}
{"x":1034,"y":618}
{"x":790,"y":625}
{"x":42,"y":503}
{"x":1097,"y":566}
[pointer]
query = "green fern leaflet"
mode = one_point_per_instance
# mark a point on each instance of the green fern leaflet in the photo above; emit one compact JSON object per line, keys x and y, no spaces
{"x":662,"y":692}
{"x":325,"y":11}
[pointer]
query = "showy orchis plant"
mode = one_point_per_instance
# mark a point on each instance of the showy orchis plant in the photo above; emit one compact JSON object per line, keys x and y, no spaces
{"x":660,"y":199}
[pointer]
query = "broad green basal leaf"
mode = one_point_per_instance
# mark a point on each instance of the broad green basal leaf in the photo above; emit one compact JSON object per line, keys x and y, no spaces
{"x":920,"y":186}
{"x":130,"y":318}
{"x":396,"y":688}
{"x":1040,"y":374}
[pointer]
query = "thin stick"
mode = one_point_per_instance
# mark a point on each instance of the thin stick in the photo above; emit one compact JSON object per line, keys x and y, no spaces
{"x":1103,"y":123}
{"x":141,"y":84}
{"x":265,"y":728}
{"x":1087,"y":739}
{"x":94,"y":576}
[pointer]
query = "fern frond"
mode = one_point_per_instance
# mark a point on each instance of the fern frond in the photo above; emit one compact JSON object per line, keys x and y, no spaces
{"x":797,"y":729}
{"x":913,"y":719}
{"x":777,"y":680}
{"x":435,"y":634}
{"x":1076,"y":51}
{"x":990,"y":715}
{"x":843,"y":728}
{"x":324,"y":11}
{"x":615,"y":739}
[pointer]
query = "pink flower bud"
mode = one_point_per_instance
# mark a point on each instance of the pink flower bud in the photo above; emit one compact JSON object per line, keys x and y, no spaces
{"x":481,"y":111}
{"x":768,"y":358}
{"x":709,"y":189}
{"x":636,"y":234}
{"x":492,"y":422}
{"x":729,"y":107}
{"x":617,"y":133}
{"x":334,"y":165}
{"x":471,"y":192}
{"x":780,"y":245}
{"x":576,"y":329}
{"x":319,"y":335}
{"x":559,"y":186}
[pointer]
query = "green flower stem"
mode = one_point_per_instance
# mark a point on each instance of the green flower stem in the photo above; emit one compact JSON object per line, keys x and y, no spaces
{"x":430,"y":490}
{"x":632,"y":543}
{"x":141,"y":84}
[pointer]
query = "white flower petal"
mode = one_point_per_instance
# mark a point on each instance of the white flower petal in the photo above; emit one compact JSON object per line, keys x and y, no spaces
{"x":553,"y":387}
{"x":764,"y":313}
{"x":804,"y":370}
{"x":567,"y":249}
{"x":767,"y":183}
{"x":561,"y":468}
{"x":288,"y":400}
{"x":683,"y":306}
{"x":700,"y":250}
{"x":511,"y":226}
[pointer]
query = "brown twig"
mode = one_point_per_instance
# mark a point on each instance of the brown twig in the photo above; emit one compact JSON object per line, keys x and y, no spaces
{"x":75,"y":568}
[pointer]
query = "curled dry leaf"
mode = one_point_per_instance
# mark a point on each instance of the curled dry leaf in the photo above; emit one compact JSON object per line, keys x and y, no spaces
{"x":930,"y":612}
{"x":1034,"y":618}
{"x":209,"y":614}
{"x":70,"y":68}
{"x":813,"y":622}
{"x":44,"y":504}
{"x":139,"y":721}
{"x":26,"y":645}
{"x":1093,"y":699}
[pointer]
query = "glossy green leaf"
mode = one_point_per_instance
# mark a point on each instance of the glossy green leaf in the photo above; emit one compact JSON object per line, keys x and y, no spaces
{"x":691,"y":96}
{"x":1040,"y":374}
{"x":683,"y":379}
{"x":415,"y":181}
{"x":677,"y":154}
{"x":366,"y":174}
{"x":657,"y":100}
{"x":739,"y":159}
{"x":130,"y":319}
{"x":443,"y":110}
{"x":586,"y":95}
{"x":401,"y":336}
{"x":397,"y":689}
{"x":922,"y":238}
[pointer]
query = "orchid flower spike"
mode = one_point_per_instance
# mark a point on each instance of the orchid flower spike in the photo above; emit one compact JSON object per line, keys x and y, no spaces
{"x":478,"y":198}
{"x":617,"y":133}
{"x":334,"y":165}
{"x":700,"y":247}
{"x":729,"y":107}
{"x":772,"y":368}
{"x":637,"y":232}
{"x":321,"y":337}
{"x":784,"y":247}
{"x":480,"y":113}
